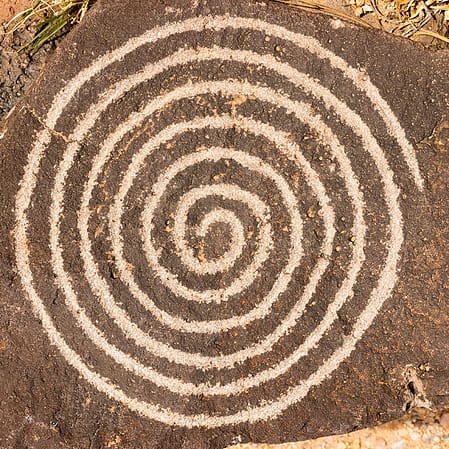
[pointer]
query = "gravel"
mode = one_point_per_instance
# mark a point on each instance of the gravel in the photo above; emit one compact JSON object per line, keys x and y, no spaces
{"x":17,"y":72}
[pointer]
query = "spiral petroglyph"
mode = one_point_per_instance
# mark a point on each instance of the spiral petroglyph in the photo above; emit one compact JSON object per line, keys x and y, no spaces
{"x":204,"y":221}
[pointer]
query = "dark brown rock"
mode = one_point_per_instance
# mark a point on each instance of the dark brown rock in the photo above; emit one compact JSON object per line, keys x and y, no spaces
{"x":222,"y":221}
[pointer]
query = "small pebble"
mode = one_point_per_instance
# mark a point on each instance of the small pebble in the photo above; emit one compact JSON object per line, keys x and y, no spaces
{"x":311,"y":212}
{"x":444,"y":420}
{"x":424,"y":367}
{"x":398,"y":444}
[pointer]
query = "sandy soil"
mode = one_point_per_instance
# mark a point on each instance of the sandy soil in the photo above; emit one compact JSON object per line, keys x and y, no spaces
{"x":9,"y":8}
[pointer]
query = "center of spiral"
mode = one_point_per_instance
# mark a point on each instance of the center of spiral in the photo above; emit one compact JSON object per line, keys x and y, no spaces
{"x":217,"y":250}
{"x":235,"y":244}
{"x":228,"y":192}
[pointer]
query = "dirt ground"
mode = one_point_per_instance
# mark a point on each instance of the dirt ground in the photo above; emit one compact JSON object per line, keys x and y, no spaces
{"x":420,"y":429}
{"x":10,"y":8}
{"x":16,"y":72}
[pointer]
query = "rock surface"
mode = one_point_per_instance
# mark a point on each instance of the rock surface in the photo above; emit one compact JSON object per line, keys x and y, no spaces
{"x":223,"y":222}
{"x":406,"y":433}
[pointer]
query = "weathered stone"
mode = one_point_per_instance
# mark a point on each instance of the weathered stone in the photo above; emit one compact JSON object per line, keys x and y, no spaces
{"x":222,"y":221}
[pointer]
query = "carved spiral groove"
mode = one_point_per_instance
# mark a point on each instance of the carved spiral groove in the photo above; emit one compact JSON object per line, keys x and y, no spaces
{"x":219,"y":230}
